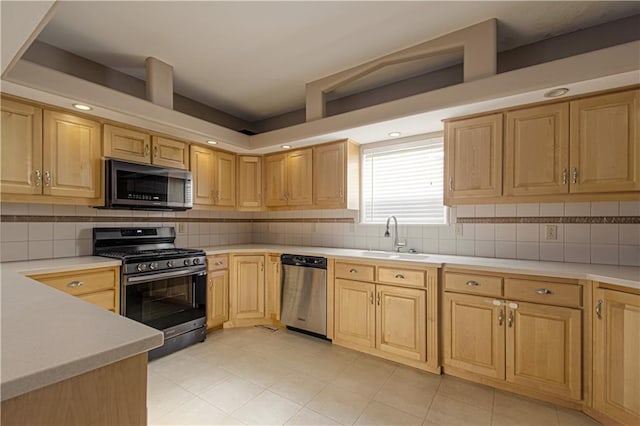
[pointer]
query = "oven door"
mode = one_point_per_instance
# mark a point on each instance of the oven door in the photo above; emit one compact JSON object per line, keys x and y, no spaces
{"x":165,"y":300}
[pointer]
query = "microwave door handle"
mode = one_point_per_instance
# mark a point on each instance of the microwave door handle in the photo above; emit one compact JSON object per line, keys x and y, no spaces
{"x":162,"y":275}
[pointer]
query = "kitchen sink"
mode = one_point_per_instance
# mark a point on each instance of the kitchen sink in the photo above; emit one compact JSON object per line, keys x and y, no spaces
{"x":393,"y":255}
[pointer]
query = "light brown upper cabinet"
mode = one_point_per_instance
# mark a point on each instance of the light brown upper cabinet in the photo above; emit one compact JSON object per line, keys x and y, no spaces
{"x":49,"y":153}
{"x":336,"y":175}
{"x":249,"y":182}
{"x":473,"y":158}
{"x":605,"y":145}
{"x":132,"y":145}
{"x":214,"y":176}
{"x":536,"y":150}
{"x":288,"y":178}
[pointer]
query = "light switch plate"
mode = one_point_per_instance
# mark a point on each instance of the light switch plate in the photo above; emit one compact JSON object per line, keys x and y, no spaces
{"x":551,"y":232}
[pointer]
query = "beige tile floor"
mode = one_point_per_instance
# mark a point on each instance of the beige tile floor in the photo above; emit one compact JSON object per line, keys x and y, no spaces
{"x":259,"y":377}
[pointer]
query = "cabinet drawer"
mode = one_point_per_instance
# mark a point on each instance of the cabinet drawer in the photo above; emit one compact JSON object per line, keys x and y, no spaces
{"x":473,"y":284}
{"x":104,"y":299}
{"x":81,"y":282}
{"x":401,"y":276}
{"x":549,"y":293}
{"x":217,"y":262}
{"x":354,"y":271}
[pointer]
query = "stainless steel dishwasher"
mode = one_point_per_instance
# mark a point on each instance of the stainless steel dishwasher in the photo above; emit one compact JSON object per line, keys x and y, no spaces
{"x":304,"y":293}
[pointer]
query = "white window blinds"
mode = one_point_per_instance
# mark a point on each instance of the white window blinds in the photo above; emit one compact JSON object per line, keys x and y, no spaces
{"x":404,"y":180}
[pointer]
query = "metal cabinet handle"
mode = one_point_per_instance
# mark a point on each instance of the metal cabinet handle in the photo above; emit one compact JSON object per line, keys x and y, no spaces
{"x":400,"y":276}
{"x":371,"y":298}
{"x":218,"y":263}
{"x":47,"y":178}
{"x":378,"y":299}
{"x":500,"y":317}
{"x":450,"y":183}
{"x":146,"y":149}
{"x":564,"y":175}
{"x":341,"y":192}
{"x":544,"y":291}
{"x":38,"y":174}
{"x":599,"y":308}
{"x":472,"y":283}
{"x":155,"y":151}
{"x":574,"y":175}
{"x":353,"y":271}
{"x":510,"y":319}
{"x":261,"y":267}
{"x":73,"y":284}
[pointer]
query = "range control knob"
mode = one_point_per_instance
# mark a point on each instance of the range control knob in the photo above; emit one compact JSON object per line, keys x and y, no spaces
{"x":153,"y":266}
{"x":187,"y":262}
{"x":196,"y":261}
{"x":141,"y":267}
{"x":170,"y":264}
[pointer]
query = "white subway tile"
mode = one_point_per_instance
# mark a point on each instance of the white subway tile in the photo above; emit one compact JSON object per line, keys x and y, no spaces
{"x":605,"y":208}
{"x":193,"y":228}
{"x":414,"y":243}
{"x":630,"y":234}
{"x":20,"y":209}
{"x":506,"y":249}
{"x":203,"y":241}
{"x":14,"y":250}
{"x":40,"y":231}
{"x":629,"y":208}
{"x":40,"y":250}
{"x":468,"y":232}
{"x":64,"y":248}
{"x":429,"y":245}
{"x":14,"y":231}
{"x":64,"y":210}
{"x":40,"y":209}
{"x":64,"y":231}
{"x":527,"y":232}
{"x":579,"y":253}
{"x":505,"y":210}
{"x":465,"y":247}
{"x":551,"y":209}
{"x":577,"y":209}
{"x":486,"y":210}
{"x":87,"y":211}
{"x":606,"y":254}
{"x":629,"y":255}
{"x":84,"y":247}
{"x":604,"y":233}
{"x":84,"y":230}
{"x":430,"y":232}
{"x":447,"y":247}
{"x":465,"y":211}
{"x":349,"y":241}
{"x":485,"y":231}
{"x":528,"y":210}
{"x":485,"y":248}
{"x":577,"y":233}
{"x":446,"y":232}
{"x":528,"y":250}
{"x":553,"y":252}
{"x":360,"y":242}
{"x":505,"y":232}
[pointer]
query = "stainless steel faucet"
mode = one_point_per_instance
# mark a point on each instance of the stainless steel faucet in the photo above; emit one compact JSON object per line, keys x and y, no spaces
{"x":397,"y":245}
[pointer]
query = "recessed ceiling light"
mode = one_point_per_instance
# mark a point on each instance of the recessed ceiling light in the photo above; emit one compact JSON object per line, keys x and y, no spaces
{"x":394,"y":134}
{"x":212,"y":142}
{"x":285,"y":146}
{"x":556,"y":92}
{"x":82,"y":107}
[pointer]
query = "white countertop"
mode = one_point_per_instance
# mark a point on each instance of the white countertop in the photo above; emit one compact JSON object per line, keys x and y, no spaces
{"x":625,"y":276}
{"x":49,"y":336}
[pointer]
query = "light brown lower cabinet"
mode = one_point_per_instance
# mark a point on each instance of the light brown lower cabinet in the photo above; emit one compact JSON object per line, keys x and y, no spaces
{"x":247,"y":289}
{"x":390,"y":319}
{"x":217,"y":290}
{"x":616,"y":355}
{"x":531,"y":345}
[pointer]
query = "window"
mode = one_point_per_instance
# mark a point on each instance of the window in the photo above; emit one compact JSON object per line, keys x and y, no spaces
{"x":404,"y":180}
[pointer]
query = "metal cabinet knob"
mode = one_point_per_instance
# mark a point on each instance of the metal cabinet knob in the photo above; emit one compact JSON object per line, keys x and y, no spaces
{"x":544,"y":291}
{"x":400,"y":276}
{"x":73,"y":284}
{"x":353,"y":271}
{"x":472,"y":283}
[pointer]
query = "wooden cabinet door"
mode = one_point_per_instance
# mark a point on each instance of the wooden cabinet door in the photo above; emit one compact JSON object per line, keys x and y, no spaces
{"x":605,"y":145}
{"x":21,"y":145}
{"x":616,"y":350}
{"x":203,"y":164}
{"x":536,"y":151}
{"x":170,"y":153}
{"x":300,"y":177}
{"x":474,"y":334}
{"x":473,"y":153}
{"x":71,"y":156}
{"x":225,"y":180}
{"x":126,"y":144}
{"x":248,"y":291}
{"x":249,"y":182}
{"x":544,"y":348}
{"x":217,"y":298}
{"x":275,"y":180}
{"x":274,"y":287}
{"x":355,"y":313}
{"x":329,"y":177}
{"x":401,"y":321}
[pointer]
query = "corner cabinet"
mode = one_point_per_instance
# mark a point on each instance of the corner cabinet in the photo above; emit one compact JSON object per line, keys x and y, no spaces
{"x":336,"y":175}
{"x":288,"y":178}
{"x":247,"y":290}
{"x":473,"y":165}
{"x":616,"y":355}
{"x":49,"y":156}
{"x":214,"y":177}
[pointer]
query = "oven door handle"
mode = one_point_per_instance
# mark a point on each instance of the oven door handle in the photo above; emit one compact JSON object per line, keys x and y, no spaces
{"x":163,"y":275}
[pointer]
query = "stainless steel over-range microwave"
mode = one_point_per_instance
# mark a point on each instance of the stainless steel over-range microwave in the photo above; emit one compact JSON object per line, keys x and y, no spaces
{"x":143,"y":187}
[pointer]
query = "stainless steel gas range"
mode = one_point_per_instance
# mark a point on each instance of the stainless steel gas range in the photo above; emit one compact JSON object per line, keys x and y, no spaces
{"x":161,"y":286}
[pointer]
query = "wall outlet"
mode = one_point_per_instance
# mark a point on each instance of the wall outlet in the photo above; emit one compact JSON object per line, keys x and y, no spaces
{"x":459,"y":229}
{"x":551,"y":232}
{"x":182,"y":228}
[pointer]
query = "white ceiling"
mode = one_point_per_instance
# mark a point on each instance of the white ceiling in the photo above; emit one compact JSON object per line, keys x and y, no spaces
{"x":253,"y":59}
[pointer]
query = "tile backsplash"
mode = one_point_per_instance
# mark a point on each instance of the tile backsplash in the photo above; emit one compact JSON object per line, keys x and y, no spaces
{"x":584,"y":242}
